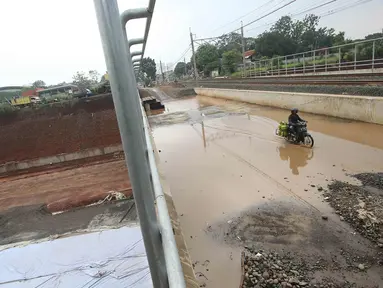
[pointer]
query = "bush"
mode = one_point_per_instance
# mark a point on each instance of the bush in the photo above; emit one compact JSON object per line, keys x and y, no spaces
{"x":6,"y":108}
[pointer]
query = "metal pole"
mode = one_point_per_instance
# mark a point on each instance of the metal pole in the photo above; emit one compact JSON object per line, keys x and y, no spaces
{"x":243,"y":51}
{"x":136,"y":53}
{"x":373,"y":55}
{"x":278,"y":66}
{"x":185,"y":66}
{"x":340,"y":58}
{"x":130,"y":122}
{"x":314,"y":60}
{"x":304,"y":64}
{"x":294,"y":63}
{"x":260,"y":67}
{"x":325,"y":60}
{"x":194,"y":61}
{"x":203,"y":133}
{"x":162,"y":72}
{"x":286,"y":64}
{"x":355,"y":58}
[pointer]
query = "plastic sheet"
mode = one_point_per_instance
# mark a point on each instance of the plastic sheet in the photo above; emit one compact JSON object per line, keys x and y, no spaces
{"x":111,"y":258}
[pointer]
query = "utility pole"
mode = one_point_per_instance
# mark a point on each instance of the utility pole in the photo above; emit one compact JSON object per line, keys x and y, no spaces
{"x":194,"y":62}
{"x":243,"y":51}
{"x":162,"y":73}
{"x":185,"y":67}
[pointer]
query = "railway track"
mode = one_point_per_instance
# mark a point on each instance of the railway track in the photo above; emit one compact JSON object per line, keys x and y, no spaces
{"x":283,"y":81}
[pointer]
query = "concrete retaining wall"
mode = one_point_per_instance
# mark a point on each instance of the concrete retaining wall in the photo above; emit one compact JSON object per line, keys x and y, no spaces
{"x":50,"y":160}
{"x":361,"y":108}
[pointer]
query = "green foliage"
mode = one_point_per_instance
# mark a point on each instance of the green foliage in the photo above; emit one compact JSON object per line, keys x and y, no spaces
{"x":288,"y":37}
{"x":148,"y":66}
{"x":179,"y":70}
{"x":6,"y":108}
{"x":207,"y":58}
{"x":230,"y":59}
{"x":61,"y":97}
{"x":86,"y":80}
{"x":285,"y":37}
{"x":38,"y":84}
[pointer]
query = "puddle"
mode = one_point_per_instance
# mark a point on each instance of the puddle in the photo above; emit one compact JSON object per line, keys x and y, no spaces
{"x":236,"y":163}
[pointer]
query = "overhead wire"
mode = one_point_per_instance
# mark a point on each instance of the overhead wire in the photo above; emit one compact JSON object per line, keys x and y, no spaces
{"x":243,"y":16}
{"x":327,"y":13}
{"x":259,"y":18}
{"x":341,"y":9}
{"x":272,"y":12}
{"x":307,"y":9}
{"x":182,"y":55}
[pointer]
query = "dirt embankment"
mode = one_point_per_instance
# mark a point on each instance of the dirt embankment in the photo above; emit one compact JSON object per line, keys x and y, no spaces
{"x":60,"y":128}
{"x":177,"y":91}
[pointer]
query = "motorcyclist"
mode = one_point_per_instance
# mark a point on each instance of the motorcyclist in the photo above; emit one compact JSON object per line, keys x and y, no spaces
{"x":294,"y":119}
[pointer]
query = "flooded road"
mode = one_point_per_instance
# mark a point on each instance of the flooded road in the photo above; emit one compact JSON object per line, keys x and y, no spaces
{"x":235,"y":183}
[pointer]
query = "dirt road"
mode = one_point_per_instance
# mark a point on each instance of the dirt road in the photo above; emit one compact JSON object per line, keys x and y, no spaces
{"x":244,"y":187}
{"x":65,"y":188}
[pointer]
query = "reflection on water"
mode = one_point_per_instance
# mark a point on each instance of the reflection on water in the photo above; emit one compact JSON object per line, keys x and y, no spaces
{"x":355,"y":131}
{"x":296,"y":155}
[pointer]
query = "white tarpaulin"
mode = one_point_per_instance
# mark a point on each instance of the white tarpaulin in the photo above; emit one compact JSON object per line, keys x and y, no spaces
{"x":111,"y":258}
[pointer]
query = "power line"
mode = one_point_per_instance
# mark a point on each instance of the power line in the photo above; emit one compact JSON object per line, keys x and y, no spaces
{"x":328,"y":13}
{"x":272,"y":12}
{"x":314,"y":8}
{"x":341,"y":9}
{"x":183,"y":55}
{"x":239,"y":18}
{"x":294,"y":15}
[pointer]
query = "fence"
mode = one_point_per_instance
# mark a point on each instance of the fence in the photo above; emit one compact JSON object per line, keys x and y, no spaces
{"x":164,"y":262}
{"x":350,"y":57}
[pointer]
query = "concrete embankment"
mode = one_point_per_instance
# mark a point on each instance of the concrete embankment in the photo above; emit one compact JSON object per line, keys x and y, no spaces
{"x":361,"y":108}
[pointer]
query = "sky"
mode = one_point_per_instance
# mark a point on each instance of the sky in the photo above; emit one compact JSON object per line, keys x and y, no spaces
{"x":50,"y":40}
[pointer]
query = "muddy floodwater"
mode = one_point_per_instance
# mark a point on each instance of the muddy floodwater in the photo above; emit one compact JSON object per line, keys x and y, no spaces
{"x":236,"y":184}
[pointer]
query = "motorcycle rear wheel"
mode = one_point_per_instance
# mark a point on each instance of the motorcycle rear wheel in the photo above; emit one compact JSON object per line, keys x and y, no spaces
{"x":308,"y":141}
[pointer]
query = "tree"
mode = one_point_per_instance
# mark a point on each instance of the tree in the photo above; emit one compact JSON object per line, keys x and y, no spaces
{"x":38,"y":84}
{"x":84,"y":81}
{"x":179,"y":70}
{"x":148,"y":66}
{"x":228,"y":42}
{"x":94,"y":76}
{"x":230,"y":59}
{"x":207,"y":58}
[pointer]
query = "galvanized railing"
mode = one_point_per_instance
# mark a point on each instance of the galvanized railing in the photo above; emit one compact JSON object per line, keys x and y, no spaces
{"x":331,"y":59}
{"x":164,"y":262}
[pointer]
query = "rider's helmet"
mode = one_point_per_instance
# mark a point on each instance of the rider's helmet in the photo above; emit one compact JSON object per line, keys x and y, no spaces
{"x":294,"y":110}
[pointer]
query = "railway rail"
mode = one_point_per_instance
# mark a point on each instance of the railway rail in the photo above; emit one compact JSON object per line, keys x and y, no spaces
{"x":283,"y":81}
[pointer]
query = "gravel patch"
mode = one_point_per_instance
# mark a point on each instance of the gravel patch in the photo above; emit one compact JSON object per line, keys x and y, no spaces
{"x":360,"y":206}
{"x":371,"y":179}
{"x":271,"y":269}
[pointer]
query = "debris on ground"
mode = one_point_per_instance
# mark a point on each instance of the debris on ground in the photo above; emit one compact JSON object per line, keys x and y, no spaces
{"x":371,"y":179}
{"x":112,"y":195}
{"x":360,"y":206}
{"x":272,"y":269}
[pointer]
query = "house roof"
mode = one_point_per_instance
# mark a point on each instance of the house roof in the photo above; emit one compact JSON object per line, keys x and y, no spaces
{"x":58,"y":87}
{"x":249,"y":53}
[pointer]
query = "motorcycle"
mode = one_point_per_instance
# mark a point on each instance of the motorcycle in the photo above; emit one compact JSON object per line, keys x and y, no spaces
{"x":301,"y":136}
